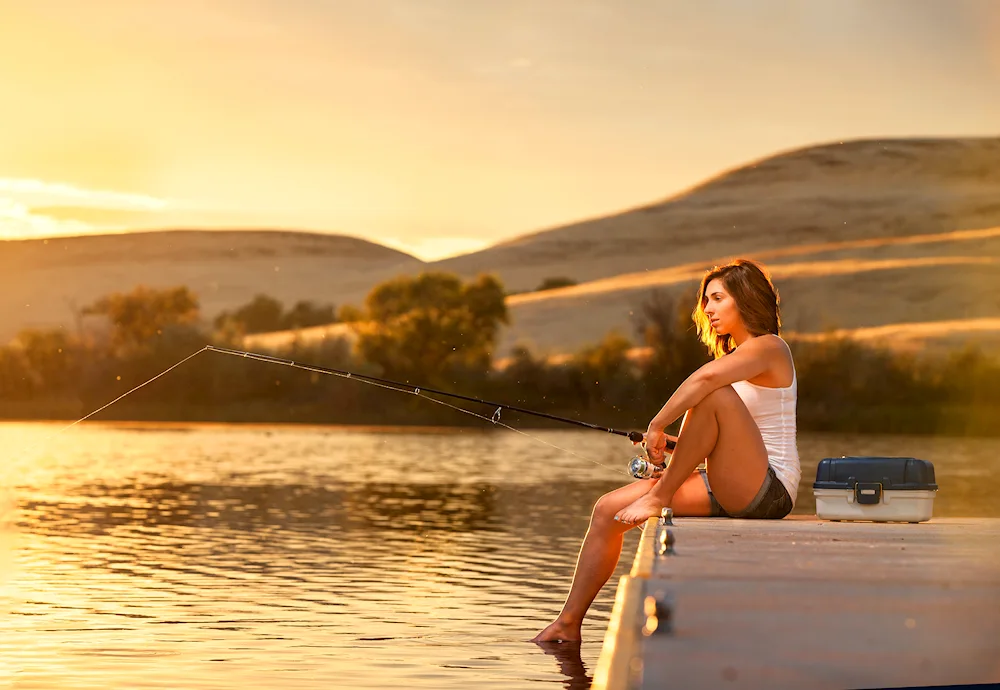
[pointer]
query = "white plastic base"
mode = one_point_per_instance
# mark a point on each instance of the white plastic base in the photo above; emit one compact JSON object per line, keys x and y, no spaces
{"x":894,"y":506}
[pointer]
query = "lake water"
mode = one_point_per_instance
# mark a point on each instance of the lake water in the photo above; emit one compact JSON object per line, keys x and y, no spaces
{"x":262,"y":557}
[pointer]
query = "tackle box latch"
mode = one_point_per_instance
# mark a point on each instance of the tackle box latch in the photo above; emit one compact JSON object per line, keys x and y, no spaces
{"x":868,"y":493}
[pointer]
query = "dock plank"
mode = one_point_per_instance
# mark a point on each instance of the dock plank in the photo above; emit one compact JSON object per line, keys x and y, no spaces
{"x":802,"y":602}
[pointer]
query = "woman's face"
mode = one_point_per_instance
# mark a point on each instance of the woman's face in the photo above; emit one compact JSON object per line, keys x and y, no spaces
{"x":720,"y":308}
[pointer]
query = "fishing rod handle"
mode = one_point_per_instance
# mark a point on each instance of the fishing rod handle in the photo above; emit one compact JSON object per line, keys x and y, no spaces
{"x":636,"y":437}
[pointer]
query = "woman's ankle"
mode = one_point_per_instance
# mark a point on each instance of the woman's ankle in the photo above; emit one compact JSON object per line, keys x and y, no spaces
{"x":662,"y":495}
{"x":568,"y":620}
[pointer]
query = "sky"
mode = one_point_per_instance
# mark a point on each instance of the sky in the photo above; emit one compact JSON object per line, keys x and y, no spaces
{"x":442,"y":126}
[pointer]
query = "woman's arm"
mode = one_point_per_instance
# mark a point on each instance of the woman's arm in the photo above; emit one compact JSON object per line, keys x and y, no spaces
{"x":749,"y":360}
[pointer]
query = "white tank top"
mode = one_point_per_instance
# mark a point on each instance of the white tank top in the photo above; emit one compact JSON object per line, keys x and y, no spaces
{"x":773,"y":409}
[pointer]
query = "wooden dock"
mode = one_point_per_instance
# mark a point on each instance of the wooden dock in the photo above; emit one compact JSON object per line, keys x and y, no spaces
{"x":805,"y":603}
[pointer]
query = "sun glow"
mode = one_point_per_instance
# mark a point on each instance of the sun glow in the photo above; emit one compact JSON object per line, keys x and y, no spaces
{"x":55,"y":193}
{"x":38,"y":208}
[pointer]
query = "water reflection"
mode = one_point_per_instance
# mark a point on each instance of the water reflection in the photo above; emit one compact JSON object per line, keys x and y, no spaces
{"x":277,"y":557}
{"x":570,"y":661}
{"x":99,"y":508}
{"x":340,"y":509}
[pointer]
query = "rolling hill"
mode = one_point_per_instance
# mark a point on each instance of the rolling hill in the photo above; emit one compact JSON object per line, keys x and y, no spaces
{"x":860,"y":235}
{"x":43,"y":282}
{"x":816,"y":196}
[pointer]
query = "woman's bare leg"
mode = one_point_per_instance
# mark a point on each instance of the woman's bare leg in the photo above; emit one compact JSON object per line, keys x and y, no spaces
{"x":721,"y":429}
{"x":602,"y":548}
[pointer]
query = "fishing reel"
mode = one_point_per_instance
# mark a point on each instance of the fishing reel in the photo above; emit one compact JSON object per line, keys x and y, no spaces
{"x":641,"y":467}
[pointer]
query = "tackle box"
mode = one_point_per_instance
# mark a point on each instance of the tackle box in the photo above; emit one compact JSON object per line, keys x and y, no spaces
{"x":875,"y":488}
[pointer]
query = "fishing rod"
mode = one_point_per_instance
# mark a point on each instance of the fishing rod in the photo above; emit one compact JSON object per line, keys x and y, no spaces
{"x":639,"y":467}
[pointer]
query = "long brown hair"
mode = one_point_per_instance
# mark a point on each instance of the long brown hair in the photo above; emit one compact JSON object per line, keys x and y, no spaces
{"x":756,"y":299}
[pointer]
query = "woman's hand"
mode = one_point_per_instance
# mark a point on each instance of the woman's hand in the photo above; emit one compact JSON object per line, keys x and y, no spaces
{"x":655,"y":442}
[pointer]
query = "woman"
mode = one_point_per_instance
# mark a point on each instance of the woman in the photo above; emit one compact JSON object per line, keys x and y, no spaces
{"x":739,"y":419}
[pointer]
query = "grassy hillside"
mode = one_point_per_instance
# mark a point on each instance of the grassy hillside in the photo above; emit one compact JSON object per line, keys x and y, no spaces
{"x":814,"y":196}
{"x":42,"y":282}
{"x":859,"y":235}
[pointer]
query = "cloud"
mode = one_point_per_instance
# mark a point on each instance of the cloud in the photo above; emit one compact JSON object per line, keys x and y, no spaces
{"x":37,"y":208}
{"x":99,"y":216}
{"x":58,"y":194}
{"x":17,"y":220}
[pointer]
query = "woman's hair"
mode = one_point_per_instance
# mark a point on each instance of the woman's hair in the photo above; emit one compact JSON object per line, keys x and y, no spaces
{"x":756,"y":299}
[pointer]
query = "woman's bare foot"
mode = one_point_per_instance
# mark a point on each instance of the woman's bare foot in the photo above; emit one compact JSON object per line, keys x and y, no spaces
{"x":638,"y":511}
{"x":558,"y":631}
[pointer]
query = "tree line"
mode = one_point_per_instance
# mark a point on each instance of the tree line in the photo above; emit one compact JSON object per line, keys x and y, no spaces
{"x":435,"y":330}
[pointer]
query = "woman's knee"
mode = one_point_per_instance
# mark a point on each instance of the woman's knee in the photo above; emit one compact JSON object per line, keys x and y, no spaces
{"x":721,"y":398}
{"x":605,"y":509}
{"x":608,"y":505}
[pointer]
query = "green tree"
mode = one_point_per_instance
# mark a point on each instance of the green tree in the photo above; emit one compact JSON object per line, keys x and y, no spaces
{"x":524,"y":370}
{"x":607,"y":359}
{"x":607,"y":373}
{"x":16,"y":378}
{"x":50,"y":354}
{"x":259,"y":315}
{"x":553,"y":283}
{"x":664,"y":324}
{"x":419,"y":328}
{"x":139,"y":316}
{"x":348,"y":313}
{"x":306,"y":314}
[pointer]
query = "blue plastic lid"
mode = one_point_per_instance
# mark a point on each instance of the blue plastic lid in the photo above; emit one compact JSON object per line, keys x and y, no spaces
{"x":894,"y":474}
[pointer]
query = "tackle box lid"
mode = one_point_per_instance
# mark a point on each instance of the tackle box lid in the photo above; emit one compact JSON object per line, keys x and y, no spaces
{"x":894,"y":474}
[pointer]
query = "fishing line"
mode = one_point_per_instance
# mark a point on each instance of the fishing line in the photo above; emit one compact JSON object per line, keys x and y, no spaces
{"x":374,"y":381}
{"x":416,"y":390}
{"x":23,"y":450}
{"x":633,"y":436}
{"x":51,"y":436}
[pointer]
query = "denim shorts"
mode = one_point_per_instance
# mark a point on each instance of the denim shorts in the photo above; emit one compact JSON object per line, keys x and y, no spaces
{"x":772,"y":501}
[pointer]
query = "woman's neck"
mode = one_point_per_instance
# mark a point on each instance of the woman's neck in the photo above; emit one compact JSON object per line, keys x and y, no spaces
{"x":741,"y":336}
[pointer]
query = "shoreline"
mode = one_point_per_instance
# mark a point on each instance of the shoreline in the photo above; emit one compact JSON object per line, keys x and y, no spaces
{"x":418,"y":428}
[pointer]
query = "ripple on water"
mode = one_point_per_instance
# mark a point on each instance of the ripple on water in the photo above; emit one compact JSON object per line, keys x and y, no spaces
{"x":226,"y":557}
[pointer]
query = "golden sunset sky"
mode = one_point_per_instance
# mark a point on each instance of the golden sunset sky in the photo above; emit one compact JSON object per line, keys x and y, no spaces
{"x":441,"y":126}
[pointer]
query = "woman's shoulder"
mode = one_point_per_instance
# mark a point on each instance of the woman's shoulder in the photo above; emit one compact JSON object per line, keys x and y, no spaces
{"x":770,"y":341}
{"x":770,"y":344}
{"x":776,"y":352}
